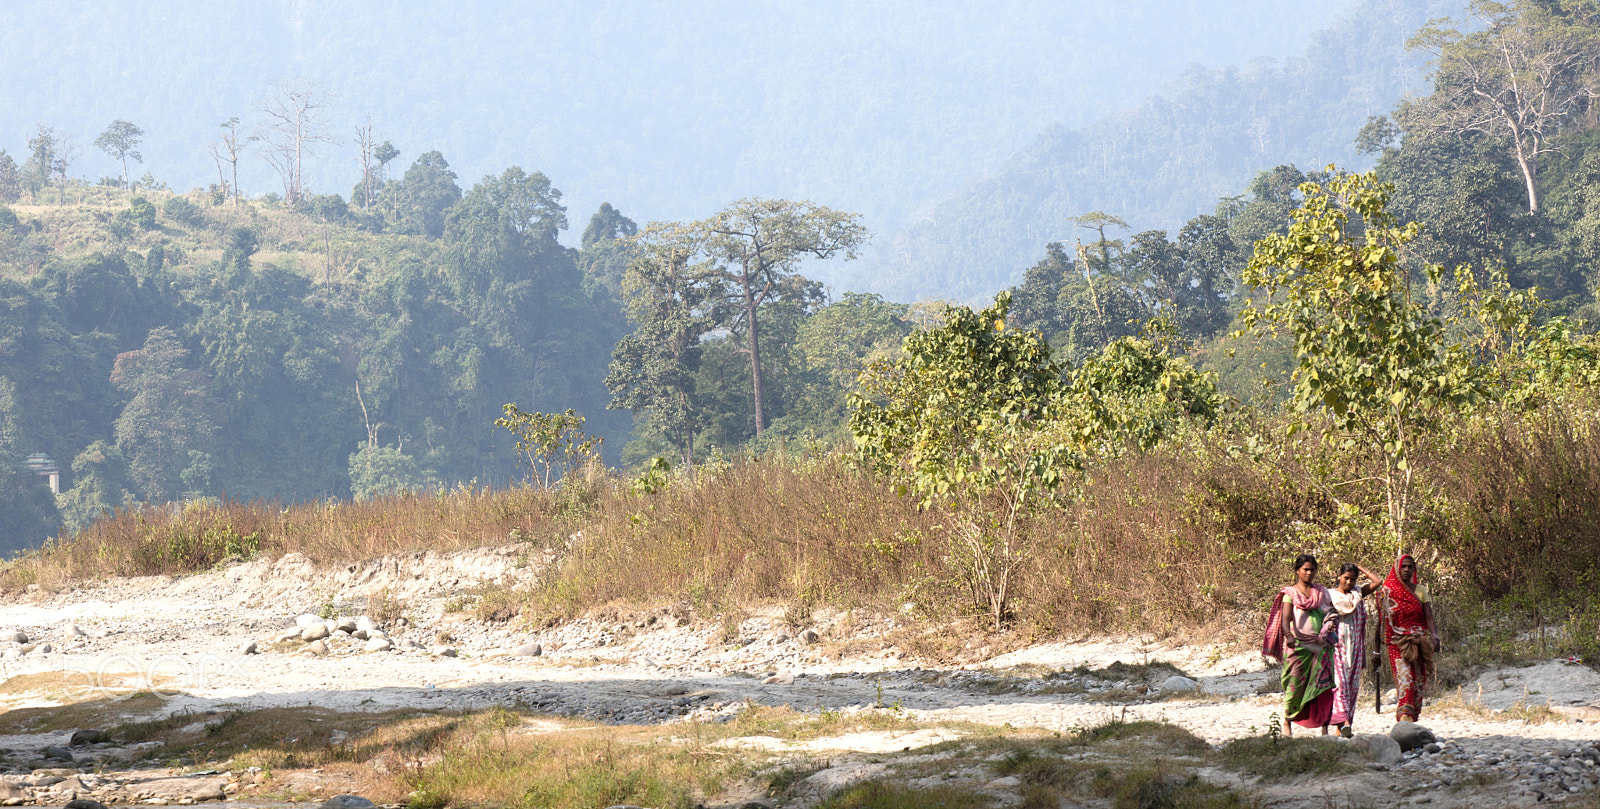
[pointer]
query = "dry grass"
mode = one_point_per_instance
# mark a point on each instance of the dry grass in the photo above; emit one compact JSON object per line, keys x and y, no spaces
{"x":1189,"y":538}
{"x":202,"y":535}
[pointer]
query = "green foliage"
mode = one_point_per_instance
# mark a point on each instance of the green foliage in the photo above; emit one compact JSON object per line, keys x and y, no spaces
{"x":1369,"y":354}
{"x":140,"y":214}
{"x":1270,"y":758}
{"x":954,"y":415}
{"x":10,"y":179}
{"x":381,"y":471}
{"x":183,"y":212}
{"x":551,"y":444}
{"x":168,"y":414}
{"x":655,"y":476}
{"x":421,"y":197}
{"x":1135,"y":393}
{"x":957,"y":420}
{"x":121,"y":141}
{"x":100,"y":486}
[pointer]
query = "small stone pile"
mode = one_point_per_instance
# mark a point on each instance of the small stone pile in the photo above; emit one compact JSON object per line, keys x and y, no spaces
{"x":325,"y":636}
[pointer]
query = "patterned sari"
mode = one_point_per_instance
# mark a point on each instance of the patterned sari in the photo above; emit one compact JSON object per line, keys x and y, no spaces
{"x":1307,"y":654}
{"x":1405,"y":632}
{"x":1349,"y":653}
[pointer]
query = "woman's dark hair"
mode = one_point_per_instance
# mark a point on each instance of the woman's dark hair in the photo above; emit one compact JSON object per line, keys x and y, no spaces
{"x":1303,"y":558}
{"x":1349,"y":567}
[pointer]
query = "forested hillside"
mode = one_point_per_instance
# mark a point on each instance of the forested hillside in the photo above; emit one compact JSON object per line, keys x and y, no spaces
{"x":1159,"y":162}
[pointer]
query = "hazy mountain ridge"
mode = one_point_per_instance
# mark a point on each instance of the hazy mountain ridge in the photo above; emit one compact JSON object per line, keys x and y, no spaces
{"x":1157,"y":164}
{"x":878,"y":107}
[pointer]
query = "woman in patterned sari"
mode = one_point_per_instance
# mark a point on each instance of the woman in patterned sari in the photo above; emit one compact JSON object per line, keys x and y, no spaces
{"x":1350,"y":648}
{"x":1300,"y":631}
{"x":1410,"y":634}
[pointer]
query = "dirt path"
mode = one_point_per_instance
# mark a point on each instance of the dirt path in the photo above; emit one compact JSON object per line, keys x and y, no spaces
{"x":186,"y":637}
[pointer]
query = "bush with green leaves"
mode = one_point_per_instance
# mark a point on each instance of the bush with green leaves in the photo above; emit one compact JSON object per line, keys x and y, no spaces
{"x":958,"y":422}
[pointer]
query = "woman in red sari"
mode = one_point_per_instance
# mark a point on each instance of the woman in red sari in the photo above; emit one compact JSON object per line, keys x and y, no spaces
{"x":1300,"y":632}
{"x":1410,"y":634}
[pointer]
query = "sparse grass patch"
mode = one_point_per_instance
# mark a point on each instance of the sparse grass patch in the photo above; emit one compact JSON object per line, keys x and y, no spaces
{"x":1159,"y":788}
{"x":1160,"y":735}
{"x":81,"y":710}
{"x":1281,"y":759}
{"x":888,"y":795}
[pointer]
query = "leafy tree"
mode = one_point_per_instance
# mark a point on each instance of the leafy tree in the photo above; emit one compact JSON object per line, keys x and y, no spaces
{"x":121,"y":141}
{"x":756,"y":247}
{"x":377,"y":471}
{"x":673,"y":302}
{"x":167,"y":416}
{"x":141,"y":214}
{"x":1136,"y":393}
{"x":607,"y":224}
{"x":1370,"y":355}
{"x":957,"y":420}
{"x":420,"y":198}
{"x":38,"y":170}
{"x":100,"y":480}
{"x":1528,"y":71}
{"x":10,"y":179}
{"x":551,"y":444}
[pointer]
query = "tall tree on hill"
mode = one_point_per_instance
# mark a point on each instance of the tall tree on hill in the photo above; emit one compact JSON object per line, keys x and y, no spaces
{"x":228,"y":151}
{"x":672,"y":300}
{"x":423,"y":194}
{"x":756,"y":247}
{"x":121,"y":141}
{"x":293,"y":128}
{"x":10,"y":179}
{"x":39,"y":169}
{"x":1531,"y":71}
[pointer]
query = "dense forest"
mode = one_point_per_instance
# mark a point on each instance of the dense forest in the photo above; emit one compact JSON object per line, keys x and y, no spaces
{"x":303,"y":346}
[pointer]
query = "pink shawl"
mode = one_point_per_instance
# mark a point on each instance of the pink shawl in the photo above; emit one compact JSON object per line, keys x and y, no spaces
{"x":1272,"y":641}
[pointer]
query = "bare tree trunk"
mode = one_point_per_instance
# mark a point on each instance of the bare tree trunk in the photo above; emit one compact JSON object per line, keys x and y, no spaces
{"x":755,"y":356}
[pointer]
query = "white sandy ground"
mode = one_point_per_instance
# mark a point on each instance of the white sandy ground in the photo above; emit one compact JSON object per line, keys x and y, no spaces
{"x":185,"y":636}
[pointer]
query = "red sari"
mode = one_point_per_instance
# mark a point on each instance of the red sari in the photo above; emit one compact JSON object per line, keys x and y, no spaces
{"x":1405,"y":632}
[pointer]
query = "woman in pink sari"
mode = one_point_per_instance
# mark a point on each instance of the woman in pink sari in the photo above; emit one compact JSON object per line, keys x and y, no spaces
{"x":1300,"y":632}
{"x":1350,"y":645}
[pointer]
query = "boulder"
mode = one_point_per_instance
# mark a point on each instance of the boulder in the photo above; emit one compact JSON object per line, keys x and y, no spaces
{"x":528,"y":650}
{"x":77,"y":631}
{"x":346,"y":624}
{"x":809,"y":636}
{"x":378,"y":645}
{"x":307,"y":619}
{"x":17,"y":636}
{"x":448,"y":651}
{"x":44,"y":649}
{"x":1177,"y":684}
{"x":250,"y":648}
{"x":1380,"y":749}
{"x":83,"y":737}
{"x":83,"y":803}
{"x":318,"y":648}
{"x":57,"y":752}
{"x":314,"y":632}
{"x":347,"y":802}
{"x":1411,"y":735}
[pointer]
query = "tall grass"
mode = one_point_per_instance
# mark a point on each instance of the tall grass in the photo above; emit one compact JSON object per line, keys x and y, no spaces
{"x":1193,"y":536}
